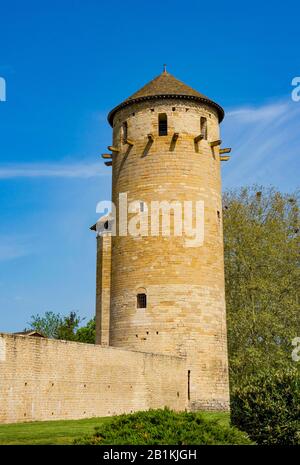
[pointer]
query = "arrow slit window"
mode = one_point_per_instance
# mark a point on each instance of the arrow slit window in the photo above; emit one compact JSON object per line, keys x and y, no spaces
{"x":124,"y":132}
{"x":203,"y":127}
{"x":162,"y":124}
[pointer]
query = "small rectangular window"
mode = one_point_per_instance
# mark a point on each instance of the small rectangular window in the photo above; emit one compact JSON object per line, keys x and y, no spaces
{"x":203,"y":127}
{"x":124,"y":132}
{"x":162,"y":124}
{"x":141,"y":301}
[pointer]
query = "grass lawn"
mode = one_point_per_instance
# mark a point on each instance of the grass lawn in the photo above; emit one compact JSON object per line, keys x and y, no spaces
{"x":64,"y":432}
{"x":47,"y":432}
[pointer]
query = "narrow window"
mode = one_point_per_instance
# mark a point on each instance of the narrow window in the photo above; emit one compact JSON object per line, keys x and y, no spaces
{"x":142,"y":207}
{"x":189,"y":382}
{"x":124,"y":132}
{"x":203,"y":127}
{"x":162,"y":124}
{"x":141,"y":301}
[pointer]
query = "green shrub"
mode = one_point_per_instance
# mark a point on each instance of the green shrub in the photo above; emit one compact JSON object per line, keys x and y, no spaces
{"x":267,"y":407}
{"x":164,"y":427}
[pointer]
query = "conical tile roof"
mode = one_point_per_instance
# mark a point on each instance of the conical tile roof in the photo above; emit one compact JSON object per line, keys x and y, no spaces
{"x":166,"y":86}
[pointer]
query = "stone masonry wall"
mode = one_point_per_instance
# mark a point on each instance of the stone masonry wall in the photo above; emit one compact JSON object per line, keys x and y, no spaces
{"x":185,"y":314}
{"x":103,"y":289}
{"x":45,"y":379}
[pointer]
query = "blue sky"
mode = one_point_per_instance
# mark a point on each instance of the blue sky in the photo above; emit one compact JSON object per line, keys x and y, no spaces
{"x":66,"y":64}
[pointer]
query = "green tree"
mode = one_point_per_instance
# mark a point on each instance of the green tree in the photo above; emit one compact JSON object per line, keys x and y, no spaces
{"x":267,"y":406}
{"x":262,"y":275}
{"x":67,"y":327}
{"x":87,"y":333}
{"x":48,"y":324}
{"x":70,"y":323}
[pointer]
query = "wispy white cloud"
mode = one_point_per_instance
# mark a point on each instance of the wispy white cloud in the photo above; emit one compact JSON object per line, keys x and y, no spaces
{"x":259,"y":114}
{"x":12,"y":247}
{"x":265,"y":145}
{"x":56,"y":170}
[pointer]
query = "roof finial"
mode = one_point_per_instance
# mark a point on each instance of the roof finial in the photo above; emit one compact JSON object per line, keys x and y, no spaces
{"x":165,"y":68}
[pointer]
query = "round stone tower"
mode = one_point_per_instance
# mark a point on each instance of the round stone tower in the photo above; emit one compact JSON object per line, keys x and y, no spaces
{"x":167,"y":290}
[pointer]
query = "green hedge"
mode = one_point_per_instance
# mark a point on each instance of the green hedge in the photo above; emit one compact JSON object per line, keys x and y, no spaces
{"x":164,"y":427}
{"x":267,"y":407}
